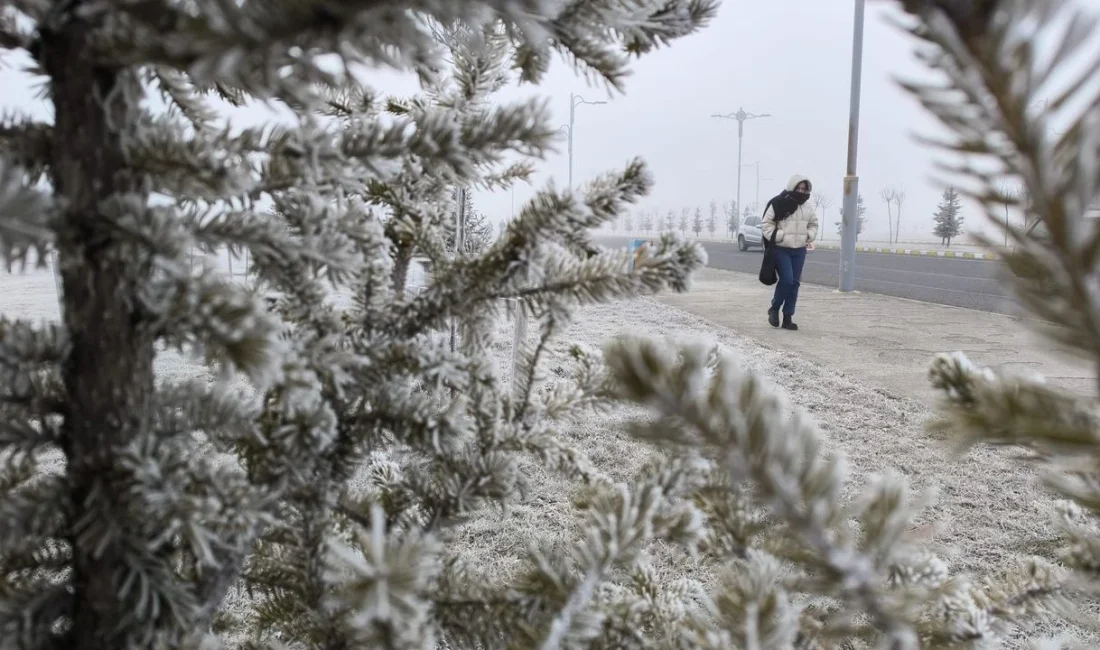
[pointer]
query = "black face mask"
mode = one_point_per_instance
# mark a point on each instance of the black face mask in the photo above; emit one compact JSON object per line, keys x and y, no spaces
{"x":798,"y":197}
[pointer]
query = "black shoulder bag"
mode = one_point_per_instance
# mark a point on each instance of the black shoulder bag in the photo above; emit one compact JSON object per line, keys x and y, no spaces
{"x":768,"y":274}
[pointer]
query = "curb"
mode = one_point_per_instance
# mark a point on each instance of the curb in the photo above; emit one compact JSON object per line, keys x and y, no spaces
{"x":965,"y":255}
{"x":917,"y":252}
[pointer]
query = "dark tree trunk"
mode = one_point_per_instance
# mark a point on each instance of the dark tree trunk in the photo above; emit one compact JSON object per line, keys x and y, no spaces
{"x":108,"y":373}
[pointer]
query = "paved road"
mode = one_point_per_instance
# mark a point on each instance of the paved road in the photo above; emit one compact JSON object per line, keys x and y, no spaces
{"x":958,"y":282}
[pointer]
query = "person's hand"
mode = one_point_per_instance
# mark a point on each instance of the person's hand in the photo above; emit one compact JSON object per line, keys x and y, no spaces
{"x":810,"y":246}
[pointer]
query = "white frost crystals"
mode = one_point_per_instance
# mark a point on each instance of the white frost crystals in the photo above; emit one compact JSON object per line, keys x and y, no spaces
{"x":377,"y":585}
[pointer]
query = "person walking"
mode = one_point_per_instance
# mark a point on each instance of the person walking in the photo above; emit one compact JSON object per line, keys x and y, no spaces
{"x":794,"y":225}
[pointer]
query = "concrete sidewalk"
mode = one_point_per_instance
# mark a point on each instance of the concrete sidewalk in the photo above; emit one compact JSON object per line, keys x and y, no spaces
{"x":885,"y":341}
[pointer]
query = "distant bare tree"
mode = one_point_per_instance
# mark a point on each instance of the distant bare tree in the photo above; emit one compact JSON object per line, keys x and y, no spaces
{"x":685,"y":213}
{"x":1025,"y":205}
{"x":1010,"y":196}
{"x":888,"y":194}
{"x":670,"y":221}
{"x":899,"y":198}
{"x":822,"y":202}
{"x":712,"y":220}
{"x":697,"y":222}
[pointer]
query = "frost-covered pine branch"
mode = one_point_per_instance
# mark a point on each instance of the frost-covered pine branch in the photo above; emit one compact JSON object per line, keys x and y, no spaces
{"x":425,"y":437}
{"x":992,"y":82}
{"x":133,"y":506}
{"x":801,"y":561}
{"x":998,"y":95}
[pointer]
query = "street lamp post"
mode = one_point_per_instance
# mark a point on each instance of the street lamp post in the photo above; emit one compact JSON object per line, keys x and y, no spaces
{"x":756,"y":203}
{"x":574,"y":101}
{"x":850,"y":221}
{"x":741,"y":116}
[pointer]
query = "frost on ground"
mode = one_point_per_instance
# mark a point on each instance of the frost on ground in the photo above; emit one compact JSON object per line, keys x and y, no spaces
{"x":989,"y":509}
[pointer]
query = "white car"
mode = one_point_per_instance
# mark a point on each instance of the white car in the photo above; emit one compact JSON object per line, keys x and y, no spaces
{"x":750,"y":235}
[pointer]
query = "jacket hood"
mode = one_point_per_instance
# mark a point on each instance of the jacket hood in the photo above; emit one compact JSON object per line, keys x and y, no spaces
{"x":795,"y":180}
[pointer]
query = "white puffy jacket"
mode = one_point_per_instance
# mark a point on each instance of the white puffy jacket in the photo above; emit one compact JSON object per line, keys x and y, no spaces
{"x":796,"y":230}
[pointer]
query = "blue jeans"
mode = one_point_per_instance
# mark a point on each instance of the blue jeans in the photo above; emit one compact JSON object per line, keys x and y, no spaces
{"x":789,"y":263}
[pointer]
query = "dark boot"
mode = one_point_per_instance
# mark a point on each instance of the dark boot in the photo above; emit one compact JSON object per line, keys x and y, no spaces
{"x":788,"y":324}
{"x":773,"y":317}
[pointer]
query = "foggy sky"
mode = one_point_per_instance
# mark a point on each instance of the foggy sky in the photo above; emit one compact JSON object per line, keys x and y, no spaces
{"x":790,"y":58}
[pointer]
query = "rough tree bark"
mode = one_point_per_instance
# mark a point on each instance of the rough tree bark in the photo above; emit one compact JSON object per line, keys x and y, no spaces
{"x":108,"y":373}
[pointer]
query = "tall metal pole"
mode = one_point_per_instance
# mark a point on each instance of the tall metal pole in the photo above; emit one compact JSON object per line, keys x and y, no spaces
{"x":460,"y":232}
{"x":850,"y":220}
{"x":756,"y":208}
{"x":56,"y":259}
{"x":757,"y":201}
{"x":756,"y":205}
{"x":572,"y":120}
{"x":460,"y":244}
{"x":740,"y":138}
{"x":574,"y":101}
{"x":741,"y":116}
